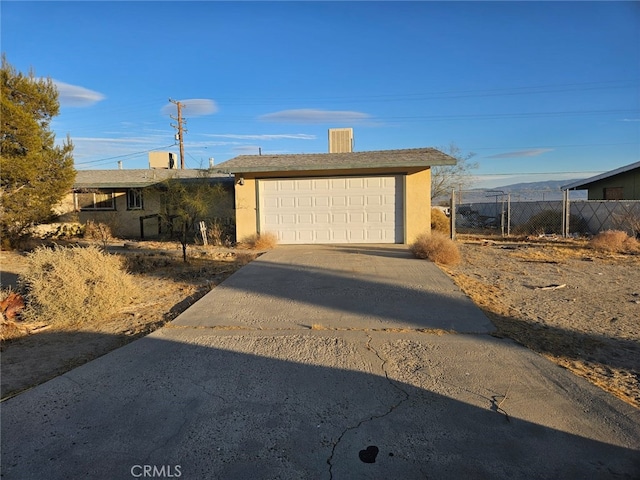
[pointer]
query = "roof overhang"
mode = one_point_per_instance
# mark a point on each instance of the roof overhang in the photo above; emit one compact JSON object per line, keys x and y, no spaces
{"x":336,"y":162}
{"x":142,"y":178}
{"x":584,"y":184}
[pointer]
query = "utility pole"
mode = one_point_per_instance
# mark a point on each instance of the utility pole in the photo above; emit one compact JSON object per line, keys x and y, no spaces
{"x":179,"y":126}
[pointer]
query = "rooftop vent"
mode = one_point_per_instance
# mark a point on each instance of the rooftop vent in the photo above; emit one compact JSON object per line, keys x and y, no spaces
{"x":340,"y":140}
{"x":163,"y":160}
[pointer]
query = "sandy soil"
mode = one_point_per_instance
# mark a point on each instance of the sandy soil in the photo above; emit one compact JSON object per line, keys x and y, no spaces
{"x":579,"y":308}
{"x":575,"y":306}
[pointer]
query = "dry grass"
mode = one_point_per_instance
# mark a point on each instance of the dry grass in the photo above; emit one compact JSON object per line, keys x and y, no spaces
{"x":614,"y":241}
{"x":437,"y":247}
{"x":439,"y":221}
{"x":68,"y":286}
{"x":260,"y":241}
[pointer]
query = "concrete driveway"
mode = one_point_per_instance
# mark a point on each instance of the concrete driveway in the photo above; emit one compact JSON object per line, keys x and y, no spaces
{"x":323,"y":362}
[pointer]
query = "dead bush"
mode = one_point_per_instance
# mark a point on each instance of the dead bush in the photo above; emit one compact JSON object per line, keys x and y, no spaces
{"x":220,"y":233}
{"x":615,"y":241}
{"x":98,"y":231}
{"x":71,"y":285}
{"x":439,"y":221}
{"x":437,"y":247}
{"x":260,"y":241}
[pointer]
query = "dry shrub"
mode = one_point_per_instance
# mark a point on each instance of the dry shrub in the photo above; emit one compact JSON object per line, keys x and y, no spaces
{"x":260,"y":241}
{"x":614,"y":241}
{"x":437,"y":247}
{"x":439,"y":221}
{"x":72,"y":285}
{"x":98,"y":231}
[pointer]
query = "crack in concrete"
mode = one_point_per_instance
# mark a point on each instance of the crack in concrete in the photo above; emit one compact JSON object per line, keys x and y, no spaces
{"x":373,"y":417}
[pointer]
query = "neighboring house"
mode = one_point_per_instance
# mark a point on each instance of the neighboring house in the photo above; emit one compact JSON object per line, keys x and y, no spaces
{"x":356,"y":197}
{"x":620,"y":184}
{"x":129,"y":201}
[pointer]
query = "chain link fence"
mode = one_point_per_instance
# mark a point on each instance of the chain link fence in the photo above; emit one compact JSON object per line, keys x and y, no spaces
{"x":493,"y":212}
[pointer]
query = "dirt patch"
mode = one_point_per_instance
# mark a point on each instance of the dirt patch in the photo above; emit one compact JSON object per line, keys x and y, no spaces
{"x":575,"y":306}
{"x":38,"y":352}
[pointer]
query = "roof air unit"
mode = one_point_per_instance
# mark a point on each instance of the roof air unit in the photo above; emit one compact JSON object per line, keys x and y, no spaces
{"x":340,"y":140}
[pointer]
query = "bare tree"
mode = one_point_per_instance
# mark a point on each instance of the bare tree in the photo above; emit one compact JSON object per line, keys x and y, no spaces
{"x":449,"y":177}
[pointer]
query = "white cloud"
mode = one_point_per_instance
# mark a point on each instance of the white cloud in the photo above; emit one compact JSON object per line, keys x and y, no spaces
{"x":315,"y":116}
{"x":522,"y":153}
{"x":630,"y":120}
{"x":75,"y":96}
{"x":194,"y":107}
{"x":292,"y":136}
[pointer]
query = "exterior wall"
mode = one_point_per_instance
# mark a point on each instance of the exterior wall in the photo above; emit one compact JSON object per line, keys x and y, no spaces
{"x":417,"y":197}
{"x":417,"y":209}
{"x":629,"y":181}
{"x":246,"y":207}
{"x":126,"y":223}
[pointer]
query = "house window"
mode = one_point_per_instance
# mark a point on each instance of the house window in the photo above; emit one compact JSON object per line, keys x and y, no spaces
{"x":613,"y":193}
{"x":99,"y":200}
{"x":134,"y":199}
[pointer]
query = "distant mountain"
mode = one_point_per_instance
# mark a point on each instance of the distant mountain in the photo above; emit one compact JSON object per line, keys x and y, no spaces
{"x":550,"y":190}
{"x":549,"y":185}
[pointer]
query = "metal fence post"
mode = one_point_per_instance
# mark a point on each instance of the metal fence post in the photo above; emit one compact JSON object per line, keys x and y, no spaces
{"x":508,"y":214}
{"x":565,"y":213}
{"x":452,"y":214}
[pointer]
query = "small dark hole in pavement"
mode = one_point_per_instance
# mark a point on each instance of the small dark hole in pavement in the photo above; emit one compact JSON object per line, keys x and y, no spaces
{"x":369,"y":455}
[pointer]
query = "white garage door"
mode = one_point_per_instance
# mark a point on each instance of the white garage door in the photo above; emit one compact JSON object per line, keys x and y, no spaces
{"x":332,"y":209}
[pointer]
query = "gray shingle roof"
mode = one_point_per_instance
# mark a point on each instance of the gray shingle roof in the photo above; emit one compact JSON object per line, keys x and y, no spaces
{"x":584,"y":184}
{"x":135,"y":178}
{"x":411,"y":157}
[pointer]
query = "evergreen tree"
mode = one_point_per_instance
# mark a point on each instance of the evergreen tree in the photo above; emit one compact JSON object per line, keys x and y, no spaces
{"x":35,"y":173}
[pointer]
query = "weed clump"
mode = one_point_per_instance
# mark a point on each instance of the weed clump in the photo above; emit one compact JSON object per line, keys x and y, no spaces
{"x":437,"y":247}
{"x":70,"y":285}
{"x":260,"y":241}
{"x":439,"y":221}
{"x":615,"y":241}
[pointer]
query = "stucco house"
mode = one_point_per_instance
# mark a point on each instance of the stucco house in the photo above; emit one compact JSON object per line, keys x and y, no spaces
{"x":353,"y":197}
{"x":130,"y":201}
{"x":620,"y":184}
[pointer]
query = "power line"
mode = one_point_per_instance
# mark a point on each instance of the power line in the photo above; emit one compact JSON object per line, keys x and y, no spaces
{"x":121,"y":156}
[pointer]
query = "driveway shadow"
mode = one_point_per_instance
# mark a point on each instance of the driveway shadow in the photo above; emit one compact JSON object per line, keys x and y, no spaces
{"x":268,"y":406}
{"x":330,"y":288}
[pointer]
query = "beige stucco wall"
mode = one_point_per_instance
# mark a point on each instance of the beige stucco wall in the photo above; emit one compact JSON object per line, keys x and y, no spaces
{"x":417,"y":205}
{"x":126,"y":223}
{"x":416,"y":188}
{"x":246,"y":207}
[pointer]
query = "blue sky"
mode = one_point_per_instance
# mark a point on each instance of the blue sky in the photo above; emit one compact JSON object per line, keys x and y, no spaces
{"x":538,"y":91}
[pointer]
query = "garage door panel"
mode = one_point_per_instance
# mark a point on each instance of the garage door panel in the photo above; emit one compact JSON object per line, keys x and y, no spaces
{"x":305,"y":219}
{"x":332,"y":210}
{"x":322,"y":218}
{"x":355,"y":183}
{"x":356,"y":201}
{"x":339,"y":201}
{"x":305,"y":202}
{"x":322,"y":201}
{"x":303,"y":185}
{"x":356,"y":217}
